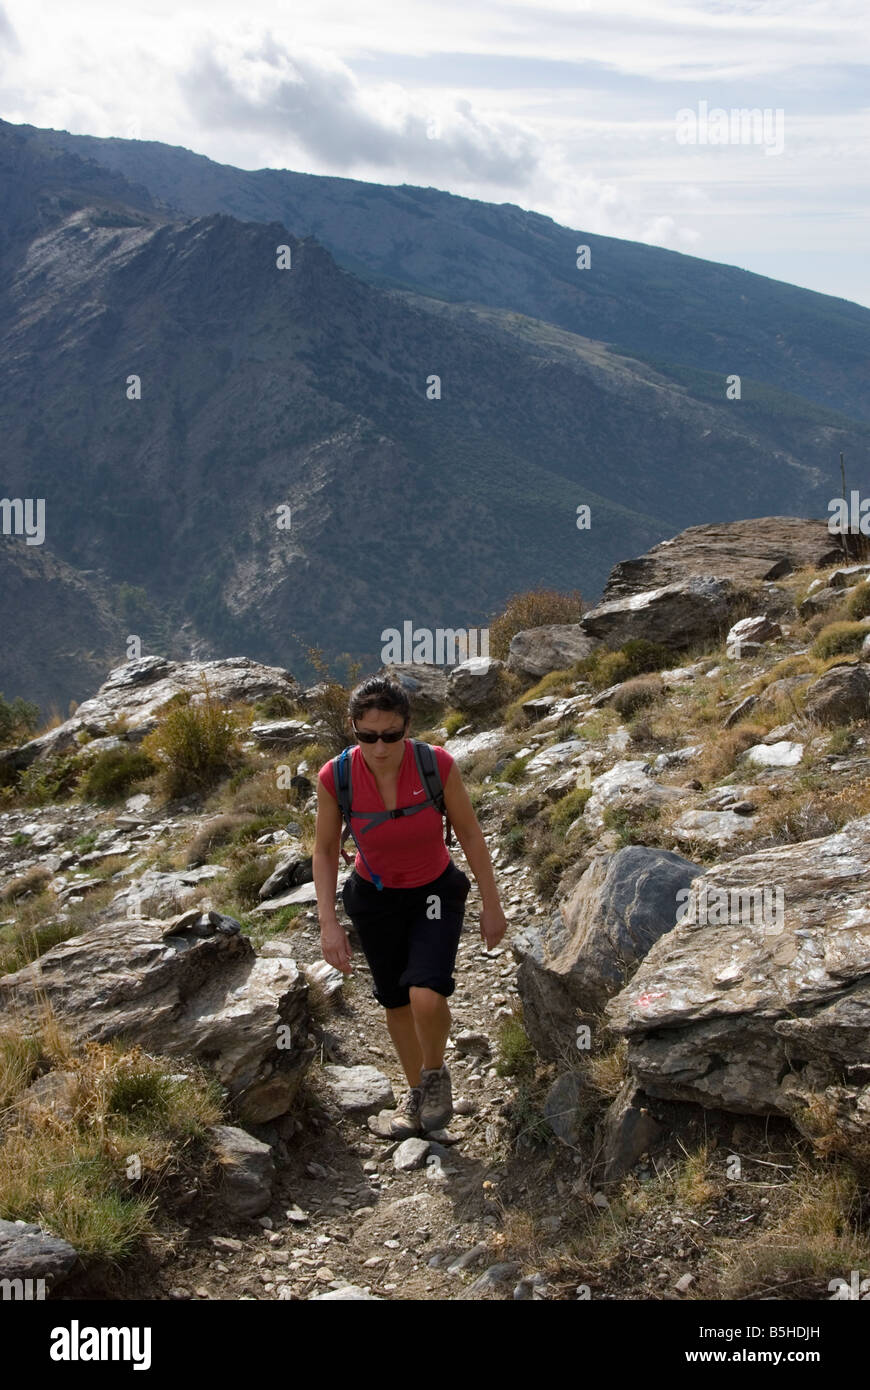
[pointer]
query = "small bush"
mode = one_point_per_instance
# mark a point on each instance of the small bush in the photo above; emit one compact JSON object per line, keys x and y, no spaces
{"x":279,"y":707}
{"x":568,"y":808}
{"x":637,"y":693}
{"x":858,"y":602}
{"x":837,"y":639}
{"x":109,"y":776}
{"x":18,"y":720}
{"x":533,"y":608}
{"x":603,"y":668}
{"x":33,"y":880}
{"x":53,"y":779}
{"x":516,"y":1053}
{"x":453,"y":721}
{"x":195,"y":745}
{"x":250,"y":877}
{"x":720,"y":756}
{"x":513,"y":771}
{"x":216,"y":831}
{"x":329,"y":706}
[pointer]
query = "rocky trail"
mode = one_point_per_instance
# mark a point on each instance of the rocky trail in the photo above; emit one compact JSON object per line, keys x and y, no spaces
{"x":650,"y":1103}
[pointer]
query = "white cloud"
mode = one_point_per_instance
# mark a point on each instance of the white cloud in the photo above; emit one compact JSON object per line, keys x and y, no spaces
{"x":564,"y":107}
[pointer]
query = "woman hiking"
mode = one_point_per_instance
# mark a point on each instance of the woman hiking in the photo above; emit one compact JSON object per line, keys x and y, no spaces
{"x":409,"y":927}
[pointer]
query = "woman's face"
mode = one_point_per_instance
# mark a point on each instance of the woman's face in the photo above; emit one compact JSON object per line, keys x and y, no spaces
{"x":382,"y":756}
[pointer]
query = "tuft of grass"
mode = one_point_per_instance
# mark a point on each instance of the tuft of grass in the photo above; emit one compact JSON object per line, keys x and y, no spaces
{"x":814,"y":1237}
{"x":532,"y":608}
{"x":109,"y":776}
{"x":94,"y":1173}
{"x":839,"y":639}
{"x":858,"y":602}
{"x":566,"y":810}
{"x":196,"y":745}
{"x":517,"y":1056}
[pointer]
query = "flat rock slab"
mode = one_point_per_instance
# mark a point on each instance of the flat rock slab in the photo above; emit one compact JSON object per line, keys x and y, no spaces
{"x":347,"y":1293}
{"x":410,"y":1154}
{"x":359,"y":1090}
{"x":782,"y":754}
{"x":29,"y":1252}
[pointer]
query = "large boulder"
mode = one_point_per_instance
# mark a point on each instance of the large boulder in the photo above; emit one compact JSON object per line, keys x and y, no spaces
{"x":139,"y":691}
{"x":627,"y":784}
{"x":760,"y":1003}
{"x":676,"y":615}
{"x":424,"y":682}
{"x":474,"y":682}
{"x":621,"y":906}
{"x":538,"y":650}
{"x":293,"y":868}
{"x":30,"y":1253}
{"x":841,"y":695}
{"x":760,"y":548}
{"x":208,"y":997}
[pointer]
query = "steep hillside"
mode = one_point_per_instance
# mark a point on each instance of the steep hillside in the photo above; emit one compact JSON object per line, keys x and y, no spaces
{"x":306,"y":388}
{"x":643,"y":300}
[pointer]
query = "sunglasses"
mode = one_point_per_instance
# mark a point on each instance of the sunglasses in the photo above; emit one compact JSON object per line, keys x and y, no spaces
{"x":392,"y":736}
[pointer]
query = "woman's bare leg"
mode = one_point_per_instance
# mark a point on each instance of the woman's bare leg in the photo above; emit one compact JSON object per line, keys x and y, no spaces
{"x":400,"y":1023}
{"x":432,"y":1021}
{"x":419,"y":1031}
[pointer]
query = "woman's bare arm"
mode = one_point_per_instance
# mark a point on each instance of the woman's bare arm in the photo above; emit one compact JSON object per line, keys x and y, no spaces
{"x":324,"y":866}
{"x":493,"y":924}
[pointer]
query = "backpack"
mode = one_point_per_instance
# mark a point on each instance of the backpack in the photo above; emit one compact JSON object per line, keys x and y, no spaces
{"x":430,"y":780}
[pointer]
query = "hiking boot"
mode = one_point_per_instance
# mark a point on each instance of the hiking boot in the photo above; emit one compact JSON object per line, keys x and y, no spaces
{"x":437,"y":1107}
{"x":405,"y":1121}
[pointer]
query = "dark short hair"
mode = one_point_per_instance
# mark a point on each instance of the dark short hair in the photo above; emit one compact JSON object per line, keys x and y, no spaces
{"x":378,"y":692}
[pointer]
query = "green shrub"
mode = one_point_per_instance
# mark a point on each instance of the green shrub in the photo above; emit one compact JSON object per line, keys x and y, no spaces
{"x":109,"y":776}
{"x":516,"y":1053}
{"x":635,"y":657}
{"x":513,"y":771}
{"x":838,"y":639}
{"x":548,"y":873}
{"x":568,"y":808}
{"x":250,"y":877}
{"x":858,"y":602}
{"x":638,"y":692}
{"x":533,"y":608}
{"x":279,"y":707}
{"x":195,"y":745}
{"x":454,"y":720}
{"x":51,"y":780}
{"x":18,"y":720}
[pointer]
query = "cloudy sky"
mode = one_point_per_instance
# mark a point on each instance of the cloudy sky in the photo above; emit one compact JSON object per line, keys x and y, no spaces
{"x":569,"y":107}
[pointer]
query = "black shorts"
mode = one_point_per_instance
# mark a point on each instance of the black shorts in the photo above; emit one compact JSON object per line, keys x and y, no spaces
{"x":403,"y":940}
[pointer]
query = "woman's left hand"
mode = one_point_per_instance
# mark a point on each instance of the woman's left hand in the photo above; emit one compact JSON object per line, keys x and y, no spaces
{"x":493,"y":925}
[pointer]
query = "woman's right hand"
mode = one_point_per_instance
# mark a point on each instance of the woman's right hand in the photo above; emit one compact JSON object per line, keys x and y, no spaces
{"x":335,"y":946}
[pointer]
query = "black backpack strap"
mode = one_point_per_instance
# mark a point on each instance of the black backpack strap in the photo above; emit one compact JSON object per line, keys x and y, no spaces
{"x":430,"y":779}
{"x":343,"y":783}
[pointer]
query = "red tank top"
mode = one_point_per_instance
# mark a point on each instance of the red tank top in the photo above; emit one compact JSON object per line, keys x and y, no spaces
{"x":409,"y":850}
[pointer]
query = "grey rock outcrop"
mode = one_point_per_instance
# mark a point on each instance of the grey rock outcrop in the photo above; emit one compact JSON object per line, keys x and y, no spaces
{"x":840,"y":695}
{"x":139,"y":691}
{"x":29,"y":1252}
{"x":538,"y":650}
{"x":474,"y":682}
{"x":770,"y":1008}
{"x":675,"y":615}
{"x":211,"y":998}
{"x":620,"y":907}
{"x":760,"y":548}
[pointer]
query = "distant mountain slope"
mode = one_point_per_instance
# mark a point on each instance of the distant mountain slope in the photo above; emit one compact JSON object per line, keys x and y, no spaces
{"x":307,"y":387}
{"x":646,"y":301}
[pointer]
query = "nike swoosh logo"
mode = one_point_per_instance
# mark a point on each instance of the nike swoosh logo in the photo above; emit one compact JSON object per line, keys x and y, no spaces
{"x":419,"y":793}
